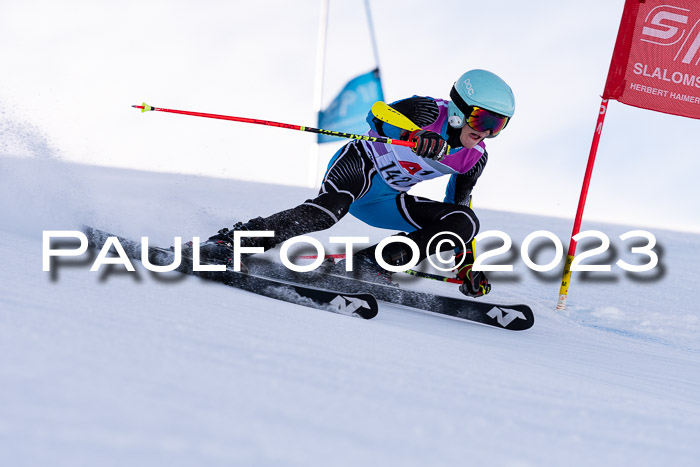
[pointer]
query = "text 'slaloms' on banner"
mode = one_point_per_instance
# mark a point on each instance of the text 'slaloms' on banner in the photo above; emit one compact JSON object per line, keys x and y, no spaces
{"x":656,"y":56}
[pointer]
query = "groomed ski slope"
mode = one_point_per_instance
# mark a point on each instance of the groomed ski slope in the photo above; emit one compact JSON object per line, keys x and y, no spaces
{"x":114,"y":368}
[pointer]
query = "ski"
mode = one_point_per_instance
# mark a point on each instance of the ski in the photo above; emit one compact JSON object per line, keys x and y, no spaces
{"x":510,"y":317}
{"x":410,"y":272}
{"x":356,"y":304}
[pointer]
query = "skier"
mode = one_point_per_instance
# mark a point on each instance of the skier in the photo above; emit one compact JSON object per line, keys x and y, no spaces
{"x":371,"y":180}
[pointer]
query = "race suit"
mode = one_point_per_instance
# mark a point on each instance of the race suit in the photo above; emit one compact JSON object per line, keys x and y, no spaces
{"x":371,"y":181}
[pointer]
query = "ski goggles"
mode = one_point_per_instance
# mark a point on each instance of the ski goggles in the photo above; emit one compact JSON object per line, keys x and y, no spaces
{"x":477,"y":118}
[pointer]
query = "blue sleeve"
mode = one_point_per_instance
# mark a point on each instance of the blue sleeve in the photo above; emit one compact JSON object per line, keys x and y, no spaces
{"x":451,"y":189}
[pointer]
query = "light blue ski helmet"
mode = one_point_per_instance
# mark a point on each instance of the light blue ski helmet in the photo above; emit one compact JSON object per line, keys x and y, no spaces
{"x":484,"y":90}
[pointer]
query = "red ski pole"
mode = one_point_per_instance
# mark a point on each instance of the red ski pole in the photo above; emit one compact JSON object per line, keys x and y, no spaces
{"x":145,"y":108}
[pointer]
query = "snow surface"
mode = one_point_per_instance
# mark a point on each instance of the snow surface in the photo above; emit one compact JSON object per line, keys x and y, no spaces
{"x":115,"y":368}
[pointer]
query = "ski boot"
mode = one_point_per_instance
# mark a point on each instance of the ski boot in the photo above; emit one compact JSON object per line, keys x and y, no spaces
{"x":219,"y":247}
{"x":366,"y":268}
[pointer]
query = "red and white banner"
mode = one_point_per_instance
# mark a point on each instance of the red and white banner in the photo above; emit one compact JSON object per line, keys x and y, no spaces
{"x":655,"y":64}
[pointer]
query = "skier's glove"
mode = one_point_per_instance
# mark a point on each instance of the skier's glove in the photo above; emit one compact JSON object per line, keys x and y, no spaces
{"x":474,"y":283}
{"x":428,"y":144}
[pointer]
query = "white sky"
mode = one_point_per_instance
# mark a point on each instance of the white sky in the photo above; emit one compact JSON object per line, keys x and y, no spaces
{"x":72,"y":69}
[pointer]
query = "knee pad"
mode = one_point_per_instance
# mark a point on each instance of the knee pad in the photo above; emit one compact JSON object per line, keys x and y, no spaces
{"x":395,"y":253}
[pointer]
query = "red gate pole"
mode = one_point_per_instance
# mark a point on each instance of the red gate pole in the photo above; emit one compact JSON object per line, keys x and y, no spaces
{"x":566,"y":276}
